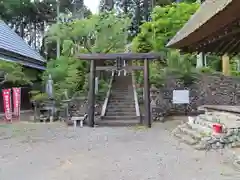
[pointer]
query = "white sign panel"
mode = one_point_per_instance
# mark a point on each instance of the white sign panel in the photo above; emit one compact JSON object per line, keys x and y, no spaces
{"x":180,"y":96}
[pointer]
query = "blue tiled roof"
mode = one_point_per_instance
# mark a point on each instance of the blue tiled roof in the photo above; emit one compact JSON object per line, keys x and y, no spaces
{"x":11,"y":42}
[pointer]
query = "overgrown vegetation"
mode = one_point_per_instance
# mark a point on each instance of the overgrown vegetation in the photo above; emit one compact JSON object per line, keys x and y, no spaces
{"x":14,"y":73}
{"x":154,"y":35}
{"x":101,"y":33}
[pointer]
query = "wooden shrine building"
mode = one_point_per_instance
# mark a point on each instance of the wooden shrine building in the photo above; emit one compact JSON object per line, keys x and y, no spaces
{"x":14,"y":49}
{"x":214,"y":28}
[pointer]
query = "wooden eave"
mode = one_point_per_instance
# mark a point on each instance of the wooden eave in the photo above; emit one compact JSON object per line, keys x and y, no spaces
{"x":225,"y":40}
{"x":209,"y":18}
{"x":14,"y":49}
{"x":25,"y":61}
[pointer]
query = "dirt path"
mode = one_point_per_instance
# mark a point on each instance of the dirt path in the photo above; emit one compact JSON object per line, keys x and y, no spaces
{"x":54,"y":152}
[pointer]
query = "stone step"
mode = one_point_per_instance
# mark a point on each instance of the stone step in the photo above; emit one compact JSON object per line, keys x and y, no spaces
{"x":184,"y":137}
{"x":124,"y":79}
{"x":200,"y":120}
{"x":121,"y":95}
{"x":120,"y":86}
{"x":191,"y":132}
{"x":113,"y":92}
{"x":110,"y":110}
{"x":126,"y":118}
{"x":132,"y":113}
{"x":209,"y":117}
{"x":120,"y":109}
{"x":121,"y":101}
{"x":124,"y":89}
{"x":118,"y":123}
{"x":121,"y":90}
{"x":206,"y":117}
{"x":221,"y":109}
{"x":120,"y":105}
{"x":200,"y":128}
{"x":116,"y":93}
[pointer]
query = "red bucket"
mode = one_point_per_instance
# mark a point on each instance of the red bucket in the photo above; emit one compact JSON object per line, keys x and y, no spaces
{"x":217,"y":128}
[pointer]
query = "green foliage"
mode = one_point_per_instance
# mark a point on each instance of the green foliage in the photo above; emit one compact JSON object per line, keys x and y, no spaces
{"x":68,"y":74}
{"x":103,"y":86}
{"x":102,"y":89}
{"x":100,"y":33}
{"x":214,"y":62}
{"x":166,"y":21}
{"x":157,"y":75}
{"x":181,"y":66}
{"x":30,"y":19}
{"x":13,"y":73}
{"x":32,"y":74}
{"x":234,"y":63}
{"x":207,"y":70}
{"x":235,"y":73}
{"x":143,"y":41}
{"x":38,"y":96}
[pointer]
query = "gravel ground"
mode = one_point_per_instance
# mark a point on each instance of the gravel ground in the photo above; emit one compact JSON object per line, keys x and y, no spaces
{"x":55,"y":152}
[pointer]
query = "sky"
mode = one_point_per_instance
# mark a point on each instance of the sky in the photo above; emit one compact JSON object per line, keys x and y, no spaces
{"x":92,"y":5}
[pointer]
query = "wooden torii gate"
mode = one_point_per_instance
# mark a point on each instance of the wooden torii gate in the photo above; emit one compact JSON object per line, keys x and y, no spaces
{"x":124,"y":56}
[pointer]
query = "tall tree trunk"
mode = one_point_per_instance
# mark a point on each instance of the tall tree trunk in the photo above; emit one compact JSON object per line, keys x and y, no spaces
{"x":21,"y":30}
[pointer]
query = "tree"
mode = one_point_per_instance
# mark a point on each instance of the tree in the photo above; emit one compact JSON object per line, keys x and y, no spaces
{"x":68,"y":75}
{"x":30,"y":18}
{"x":135,"y":10}
{"x":13,"y":73}
{"x":100,"y":33}
{"x":166,"y":21}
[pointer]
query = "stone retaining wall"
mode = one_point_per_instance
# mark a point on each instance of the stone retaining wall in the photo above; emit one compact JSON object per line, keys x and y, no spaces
{"x":207,"y":89}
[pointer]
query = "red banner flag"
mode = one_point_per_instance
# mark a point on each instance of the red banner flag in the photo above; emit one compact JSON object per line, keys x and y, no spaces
{"x":16,"y":102}
{"x":7,"y":104}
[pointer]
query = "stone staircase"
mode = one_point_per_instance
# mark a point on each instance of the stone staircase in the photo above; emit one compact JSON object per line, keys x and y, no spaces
{"x":199,"y":132}
{"x":120,"y":110}
{"x":192,"y":134}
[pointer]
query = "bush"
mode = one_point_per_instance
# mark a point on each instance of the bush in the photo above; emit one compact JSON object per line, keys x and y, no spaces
{"x":102,"y":90}
{"x":235,"y":73}
{"x":206,"y":70}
